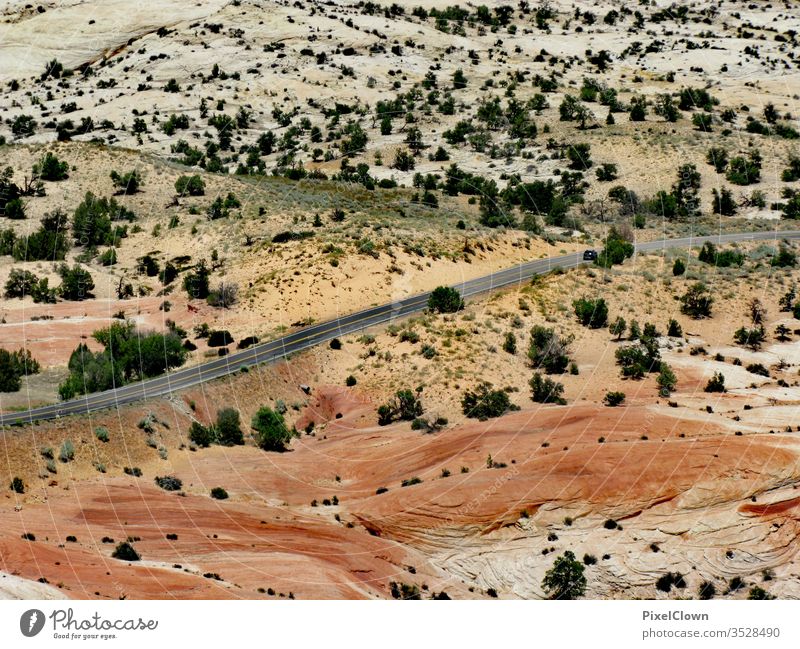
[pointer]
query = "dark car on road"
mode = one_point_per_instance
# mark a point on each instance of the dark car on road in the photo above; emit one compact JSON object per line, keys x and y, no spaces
{"x":590,"y":255}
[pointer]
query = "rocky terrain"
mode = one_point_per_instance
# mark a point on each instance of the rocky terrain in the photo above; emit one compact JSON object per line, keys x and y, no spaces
{"x":313,"y":159}
{"x":697,"y":483}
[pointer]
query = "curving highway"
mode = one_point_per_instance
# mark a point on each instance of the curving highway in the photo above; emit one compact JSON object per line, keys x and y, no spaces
{"x":315,"y":334}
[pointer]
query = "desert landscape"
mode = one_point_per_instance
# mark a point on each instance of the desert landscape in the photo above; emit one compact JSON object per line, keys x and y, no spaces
{"x":179,"y":185}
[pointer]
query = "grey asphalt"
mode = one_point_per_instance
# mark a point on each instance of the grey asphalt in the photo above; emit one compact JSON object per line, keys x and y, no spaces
{"x":304,"y":338}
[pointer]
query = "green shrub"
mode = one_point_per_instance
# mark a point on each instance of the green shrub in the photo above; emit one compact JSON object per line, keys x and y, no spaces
{"x":128,"y":354}
{"x":405,"y":406}
{"x":549,"y":351}
{"x":444,"y":299}
{"x":617,"y":249}
{"x":752,"y":338}
{"x":101,"y":432}
{"x":756,"y":592}
{"x":15,"y":365}
{"x":272,"y":433}
{"x":218,"y":493}
{"x":565,"y":580}
{"x":76,"y":283}
{"x":17,"y":486}
{"x":670,"y":579}
{"x":127,"y":183}
{"x":219,"y":338}
{"x":637,"y":360}
{"x":716,"y":383}
{"x":228,"y":428}
{"x":744,"y":171}
{"x":591,"y":313}
{"x":666,"y":379}
{"x":190,"y":185}
{"x":48,"y":243}
{"x":613,"y":399}
{"x":51,"y":168}
{"x":546,"y":390}
{"x":785,"y":258}
{"x":169,"y":483}
{"x":67,"y":452}
{"x":202,"y":436}
{"x":485,"y":403}
{"x":697,"y":301}
{"x":125,"y":552}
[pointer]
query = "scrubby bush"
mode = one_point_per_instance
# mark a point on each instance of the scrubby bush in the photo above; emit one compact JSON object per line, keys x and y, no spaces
{"x":196,"y":281}
{"x":405,"y":406}
{"x":591,"y":313}
{"x":666,"y":379}
{"x":93,"y":221}
{"x":228,"y":430}
{"x":752,"y":338}
{"x":219,"y":338}
{"x":224,"y":295}
{"x":744,"y":170}
{"x":125,"y":552}
{"x":169,"y":483}
{"x":49,"y":167}
{"x":444,"y":299}
{"x":756,"y":592}
{"x":202,"y":436}
{"x":549,"y":351}
{"x":670,"y":579}
{"x":716,"y":383}
{"x":218,"y":493}
{"x":15,"y":365}
{"x":484,"y":403}
{"x":127,"y":183}
{"x":17,"y":485}
{"x":706,"y":590}
{"x":128,"y":354}
{"x":637,"y":360}
{"x":76,"y":283}
{"x":47,"y":243}
{"x":613,"y":399}
{"x":546,"y":390}
{"x":618,"y":327}
{"x":565,"y":580}
{"x":67,"y":452}
{"x":190,"y":186}
{"x":272,"y":433}
{"x":697,"y":301}
{"x":616,"y":250}
{"x":786,"y":257}
{"x":23,"y":126}
{"x":606,"y":172}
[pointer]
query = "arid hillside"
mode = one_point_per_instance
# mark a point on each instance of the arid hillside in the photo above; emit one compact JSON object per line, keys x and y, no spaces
{"x":313,"y":159}
{"x":690,"y":481}
{"x":179,"y":181}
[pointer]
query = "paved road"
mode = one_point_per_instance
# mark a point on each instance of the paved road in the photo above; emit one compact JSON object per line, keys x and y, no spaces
{"x":314,"y":335}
